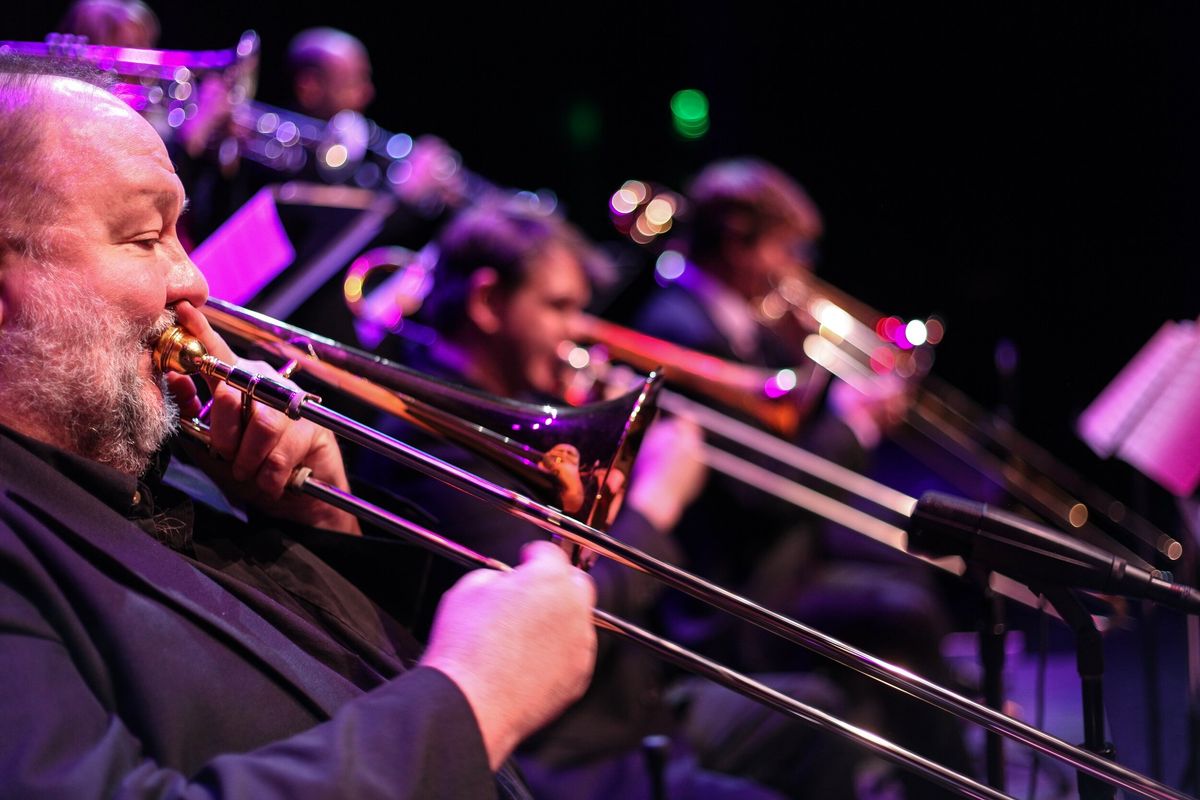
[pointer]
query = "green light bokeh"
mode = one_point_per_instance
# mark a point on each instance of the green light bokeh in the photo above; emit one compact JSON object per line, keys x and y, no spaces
{"x":689,"y":111}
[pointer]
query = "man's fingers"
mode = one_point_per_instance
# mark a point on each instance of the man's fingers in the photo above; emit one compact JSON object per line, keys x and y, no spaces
{"x":192,"y":320}
{"x":260,"y":451}
{"x":183,"y":389}
{"x":224,"y":419}
{"x":546,"y":557}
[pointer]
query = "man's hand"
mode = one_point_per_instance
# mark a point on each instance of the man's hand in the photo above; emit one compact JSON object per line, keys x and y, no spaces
{"x":520,"y":645}
{"x":255,"y":456}
{"x":436,"y":178}
{"x":871,"y":415}
{"x":669,"y":472}
{"x":214,"y":117}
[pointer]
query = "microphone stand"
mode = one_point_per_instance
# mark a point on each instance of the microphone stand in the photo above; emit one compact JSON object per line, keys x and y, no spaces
{"x":992,"y":631}
{"x":1089,"y":661}
{"x":1051,"y":561}
{"x":1189,"y":512}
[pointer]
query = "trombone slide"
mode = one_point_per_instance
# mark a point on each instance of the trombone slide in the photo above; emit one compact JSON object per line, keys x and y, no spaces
{"x":183,"y":354}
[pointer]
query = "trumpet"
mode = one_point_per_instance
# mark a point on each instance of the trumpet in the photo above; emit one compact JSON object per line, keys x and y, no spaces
{"x":177,"y":352}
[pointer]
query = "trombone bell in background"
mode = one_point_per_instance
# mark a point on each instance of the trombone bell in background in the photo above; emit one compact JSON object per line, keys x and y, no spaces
{"x":387,"y":307}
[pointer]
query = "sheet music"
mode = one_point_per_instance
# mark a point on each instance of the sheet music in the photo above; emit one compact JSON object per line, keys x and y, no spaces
{"x":1149,"y":415}
{"x":246,"y":252}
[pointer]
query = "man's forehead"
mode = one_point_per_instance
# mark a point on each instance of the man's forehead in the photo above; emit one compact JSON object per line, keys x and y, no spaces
{"x":90,"y":119}
{"x":558,"y":269}
{"x":76,"y":95}
{"x":101,"y":145}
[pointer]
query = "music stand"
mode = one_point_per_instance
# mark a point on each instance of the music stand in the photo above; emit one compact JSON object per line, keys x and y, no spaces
{"x":1149,"y":417}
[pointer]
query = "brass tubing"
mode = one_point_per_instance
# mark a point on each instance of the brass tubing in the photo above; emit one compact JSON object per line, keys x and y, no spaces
{"x":302,"y":405}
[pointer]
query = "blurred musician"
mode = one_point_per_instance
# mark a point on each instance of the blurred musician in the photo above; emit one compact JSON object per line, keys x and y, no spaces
{"x":750,"y":227}
{"x":213,"y":185}
{"x":119,"y":23}
{"x":330,"y":72}
{"x":330,"y":78}
{"x":157,"y":642}
{"x":132,"y":23}
{"x":509,"y":281}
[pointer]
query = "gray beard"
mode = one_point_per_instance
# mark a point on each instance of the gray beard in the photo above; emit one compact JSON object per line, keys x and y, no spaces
{"x":70,"y":370}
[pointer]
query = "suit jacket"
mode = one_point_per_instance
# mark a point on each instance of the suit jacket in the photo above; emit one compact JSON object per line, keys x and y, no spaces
{"x":129,"y":672}
{"x":677,"y":314}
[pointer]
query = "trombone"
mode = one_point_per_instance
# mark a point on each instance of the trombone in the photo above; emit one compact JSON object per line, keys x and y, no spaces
{"x":177,"y":352}
{"x":776,"y":400}
{"x":853,"y":341}
{"x":162,"y":85}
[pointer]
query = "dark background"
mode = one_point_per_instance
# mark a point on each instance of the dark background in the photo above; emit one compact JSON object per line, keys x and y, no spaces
{"x":1025,"y":170}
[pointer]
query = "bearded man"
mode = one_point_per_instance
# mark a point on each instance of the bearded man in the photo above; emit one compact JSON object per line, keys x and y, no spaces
{"x":156,"y":644}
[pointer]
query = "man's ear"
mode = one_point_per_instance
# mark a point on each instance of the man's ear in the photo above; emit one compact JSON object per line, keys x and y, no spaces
{"x":485,"y":300}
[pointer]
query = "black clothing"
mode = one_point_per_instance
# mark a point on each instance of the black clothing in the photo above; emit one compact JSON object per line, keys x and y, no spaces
{"x":593,"y":750}
{"x":790,"y":560}
{"x":239,"y":663}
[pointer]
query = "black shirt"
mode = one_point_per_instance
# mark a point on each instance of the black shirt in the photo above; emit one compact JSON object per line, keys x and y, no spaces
{"x":256,"y":560}
{"x":262,"y":563}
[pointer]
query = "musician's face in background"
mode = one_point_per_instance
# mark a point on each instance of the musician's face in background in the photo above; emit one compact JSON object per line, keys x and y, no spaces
{"x":538,"y":316}
{"x":126,"y":33}
{"x":760,"y":263}
{"x":342,"y":82}
{"x":113,"y":23}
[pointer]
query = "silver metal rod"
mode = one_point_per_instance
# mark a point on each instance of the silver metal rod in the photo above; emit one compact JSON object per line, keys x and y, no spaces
{"x":302,"y":405}
{"x":823,"y":505}
{"x":787,"y":453}
{"x":680,"y":656}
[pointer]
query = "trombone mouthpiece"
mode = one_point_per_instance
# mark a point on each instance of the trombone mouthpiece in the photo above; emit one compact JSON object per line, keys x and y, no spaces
{"x":177,"y":351}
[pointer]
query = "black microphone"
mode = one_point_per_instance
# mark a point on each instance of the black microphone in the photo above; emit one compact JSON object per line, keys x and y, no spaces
{"x":943,"y":525}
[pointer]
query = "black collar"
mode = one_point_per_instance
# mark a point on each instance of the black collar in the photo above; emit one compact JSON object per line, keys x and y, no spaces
{"x":144,"y":500}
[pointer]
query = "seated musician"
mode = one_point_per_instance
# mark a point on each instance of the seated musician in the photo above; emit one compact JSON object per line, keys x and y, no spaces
{"x":212,"y":180}
{"x":330,"y":72}
{"x":750,"y":227}
{"x":118,"y":23}
{"x":509,"y":281}
{"x":159,"y":645}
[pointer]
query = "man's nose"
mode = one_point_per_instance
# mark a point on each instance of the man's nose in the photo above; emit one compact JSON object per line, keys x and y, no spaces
{"x":186,"y":282}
